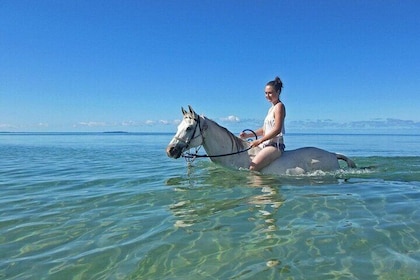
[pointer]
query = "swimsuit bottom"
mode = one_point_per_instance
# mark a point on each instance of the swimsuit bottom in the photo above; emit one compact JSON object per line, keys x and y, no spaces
{"x":280,"y":147}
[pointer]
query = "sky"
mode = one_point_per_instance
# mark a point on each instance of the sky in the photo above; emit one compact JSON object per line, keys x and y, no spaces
{"x":346,"y":66}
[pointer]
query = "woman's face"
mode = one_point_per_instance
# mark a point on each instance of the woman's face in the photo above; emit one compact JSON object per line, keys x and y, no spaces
{"x":271,"y":94}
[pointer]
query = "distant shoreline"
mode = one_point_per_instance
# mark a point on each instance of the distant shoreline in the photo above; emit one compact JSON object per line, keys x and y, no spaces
{"x":117,"y":132}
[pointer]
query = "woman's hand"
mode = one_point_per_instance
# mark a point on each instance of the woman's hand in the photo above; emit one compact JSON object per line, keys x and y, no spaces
{"x":256,"y":143}
{"x":243,"y":135}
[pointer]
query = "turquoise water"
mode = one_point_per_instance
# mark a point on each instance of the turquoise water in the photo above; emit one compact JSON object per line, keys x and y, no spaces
{"x":113,"y":206}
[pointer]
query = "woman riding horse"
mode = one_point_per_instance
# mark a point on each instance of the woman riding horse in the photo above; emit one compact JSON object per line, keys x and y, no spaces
{"x":272,"y":131}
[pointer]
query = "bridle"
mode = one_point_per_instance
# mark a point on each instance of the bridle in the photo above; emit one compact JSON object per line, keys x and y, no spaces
{"x":188,"y":141}
{"x":189,"y":157}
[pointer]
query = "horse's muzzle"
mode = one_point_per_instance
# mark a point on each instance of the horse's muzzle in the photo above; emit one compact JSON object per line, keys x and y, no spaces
{"x":173,"y":151}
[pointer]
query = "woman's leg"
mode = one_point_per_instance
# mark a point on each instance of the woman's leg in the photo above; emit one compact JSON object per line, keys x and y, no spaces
{"x":264,"y":158}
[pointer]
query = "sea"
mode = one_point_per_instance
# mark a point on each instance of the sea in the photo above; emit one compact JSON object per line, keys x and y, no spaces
{"x":114,"y":206}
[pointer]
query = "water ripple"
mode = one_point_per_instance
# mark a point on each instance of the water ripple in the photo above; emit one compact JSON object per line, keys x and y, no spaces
{"x":115,"y":207}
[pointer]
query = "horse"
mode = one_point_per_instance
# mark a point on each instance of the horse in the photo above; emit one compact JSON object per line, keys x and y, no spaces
{"x":226,"y":149}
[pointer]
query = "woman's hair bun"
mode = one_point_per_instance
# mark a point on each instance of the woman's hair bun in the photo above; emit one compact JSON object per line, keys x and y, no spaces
{"x":276,"y":83}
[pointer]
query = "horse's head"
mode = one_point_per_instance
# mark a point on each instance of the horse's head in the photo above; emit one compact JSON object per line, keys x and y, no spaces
{"x":187,"y":136}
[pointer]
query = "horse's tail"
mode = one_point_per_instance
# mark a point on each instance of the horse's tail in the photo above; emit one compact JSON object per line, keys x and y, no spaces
{"x":349,"y":162}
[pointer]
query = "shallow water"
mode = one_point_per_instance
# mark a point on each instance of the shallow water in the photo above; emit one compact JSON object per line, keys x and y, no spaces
{"x":113,"y":206}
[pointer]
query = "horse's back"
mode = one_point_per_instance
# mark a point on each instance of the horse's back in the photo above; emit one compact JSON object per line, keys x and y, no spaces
{"x":303,"y":160}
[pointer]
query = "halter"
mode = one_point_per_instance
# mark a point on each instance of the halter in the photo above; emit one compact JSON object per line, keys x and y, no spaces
{"x":189,"y":157}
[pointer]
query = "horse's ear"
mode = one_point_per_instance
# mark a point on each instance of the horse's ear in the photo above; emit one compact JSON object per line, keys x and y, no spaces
{"x":191,"y":111}
{"x":183,"y":111}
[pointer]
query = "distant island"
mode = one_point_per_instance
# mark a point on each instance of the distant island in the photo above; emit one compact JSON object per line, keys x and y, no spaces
{"x":115,"y":132}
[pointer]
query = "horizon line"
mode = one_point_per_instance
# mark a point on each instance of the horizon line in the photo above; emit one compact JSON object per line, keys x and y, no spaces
{"x":166,"y":133}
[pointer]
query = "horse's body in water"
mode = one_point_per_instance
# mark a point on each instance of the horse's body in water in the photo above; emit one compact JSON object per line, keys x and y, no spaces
{"x":228,"y":150}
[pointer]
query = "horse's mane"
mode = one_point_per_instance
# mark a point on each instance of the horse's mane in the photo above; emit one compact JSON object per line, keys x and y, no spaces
{"x":238,"y":142}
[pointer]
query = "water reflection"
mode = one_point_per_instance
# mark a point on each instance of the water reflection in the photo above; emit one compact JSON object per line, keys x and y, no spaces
{"x":207,"y":201}
{"x":198,"y":195}
{"x":254,"y":225}
{"x":207,"y":192}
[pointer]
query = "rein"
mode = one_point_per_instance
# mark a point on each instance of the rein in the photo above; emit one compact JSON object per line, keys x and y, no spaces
{"x":190,"y":157}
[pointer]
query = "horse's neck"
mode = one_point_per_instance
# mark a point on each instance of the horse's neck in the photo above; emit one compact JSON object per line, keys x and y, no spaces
{"x":218,"y":140}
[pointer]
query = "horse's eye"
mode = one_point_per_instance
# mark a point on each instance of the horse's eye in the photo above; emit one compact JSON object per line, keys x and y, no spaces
{"x":189,"y":128}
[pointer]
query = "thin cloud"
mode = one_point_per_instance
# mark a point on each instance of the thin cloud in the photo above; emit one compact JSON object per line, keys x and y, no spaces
{"x":369,"y":124}
{"x":6,"y":126}
{"x":126,"y":123}
{"x":231,"y":119}
{"x":129,"y":123}
{"x":43,"y":124}
{"x":92,"y":124}
{"x":165,"y":122}
{"x":150,"y":122}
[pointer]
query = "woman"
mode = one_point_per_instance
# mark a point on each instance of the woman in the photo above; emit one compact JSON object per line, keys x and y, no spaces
{"x":272,"y":131}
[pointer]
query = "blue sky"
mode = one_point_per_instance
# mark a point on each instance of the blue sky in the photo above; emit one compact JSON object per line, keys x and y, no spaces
{"x":130,"y":65}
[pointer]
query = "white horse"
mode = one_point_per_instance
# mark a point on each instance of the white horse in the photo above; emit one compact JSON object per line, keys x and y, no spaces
{"x":226,"y":149}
